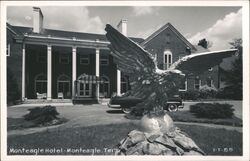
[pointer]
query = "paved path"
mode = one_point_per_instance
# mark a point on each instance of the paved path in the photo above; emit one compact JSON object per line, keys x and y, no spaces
{"x":87,"y":115}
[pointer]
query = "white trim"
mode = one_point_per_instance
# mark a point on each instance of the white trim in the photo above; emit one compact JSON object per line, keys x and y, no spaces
{"x":74,"y":65}
{"x":40,"y":80}
{"x":49,"y":72}
{"x":62,"y":81}
{"x":185,"y":86}
{"x":97,"y":70}
{"x":8,"y":50}
{"x":23,"y":71}
{"x":196,"y":84}
{"x":167,"y":53}
{"x":118,"y":80}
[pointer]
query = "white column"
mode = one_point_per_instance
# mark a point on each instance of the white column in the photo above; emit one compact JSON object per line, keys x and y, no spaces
{"x":97,"y":71}
{"x":118,"y":82}
{"x":23,"y":73}
{"x":73,"y":70}
{"x":49,"y":72}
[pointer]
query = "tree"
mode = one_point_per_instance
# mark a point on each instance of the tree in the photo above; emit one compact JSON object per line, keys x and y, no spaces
{"x":13,"y":93}
{"x":233,"y":76}
{"x":204,"y":43}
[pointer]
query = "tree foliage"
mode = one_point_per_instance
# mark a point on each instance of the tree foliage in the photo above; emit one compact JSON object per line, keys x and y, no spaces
{"x":233,"y":76}
{"x":204,"y":43}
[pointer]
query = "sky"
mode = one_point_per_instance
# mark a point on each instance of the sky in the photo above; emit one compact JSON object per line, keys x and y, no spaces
{"x":219,"y":25}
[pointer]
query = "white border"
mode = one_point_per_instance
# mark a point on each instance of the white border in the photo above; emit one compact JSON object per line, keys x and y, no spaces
{"x":245,"y":12}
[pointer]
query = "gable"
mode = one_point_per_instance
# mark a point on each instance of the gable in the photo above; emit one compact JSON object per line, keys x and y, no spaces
{"x":169,"y":27}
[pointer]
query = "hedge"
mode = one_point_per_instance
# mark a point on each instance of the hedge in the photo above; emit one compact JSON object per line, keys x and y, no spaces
{"x":212,"y":110}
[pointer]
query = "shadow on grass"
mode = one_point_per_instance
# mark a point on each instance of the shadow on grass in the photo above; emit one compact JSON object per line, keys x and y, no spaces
{"x":115,"y":111}
{"x":70,"y":141}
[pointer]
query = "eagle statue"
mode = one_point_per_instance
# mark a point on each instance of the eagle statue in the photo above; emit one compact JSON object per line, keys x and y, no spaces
{"x":157,"y":134}
{"x":149,"y":82}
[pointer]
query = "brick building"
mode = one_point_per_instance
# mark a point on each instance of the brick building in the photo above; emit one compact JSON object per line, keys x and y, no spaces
{"x":62,"y":64}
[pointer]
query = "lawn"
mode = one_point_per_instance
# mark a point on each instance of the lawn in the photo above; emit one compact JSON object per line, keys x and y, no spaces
{"x":186,"y":116}
{"x":101,"y":140}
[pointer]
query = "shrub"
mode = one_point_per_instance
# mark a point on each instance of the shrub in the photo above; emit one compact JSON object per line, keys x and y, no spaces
{"x":190,"y":95}
{"x":42,"y":115}
{"x":209,"y":110}
{"x":207,"y":92}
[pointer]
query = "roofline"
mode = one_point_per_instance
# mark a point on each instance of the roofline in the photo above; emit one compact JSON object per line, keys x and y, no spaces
{"x":9,"y":27}
{"x":157,"y":32}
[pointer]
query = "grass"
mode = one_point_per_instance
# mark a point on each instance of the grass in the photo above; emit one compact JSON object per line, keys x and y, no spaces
{"x":186,"y":116}
{"x":21,"y":123}
{"x":108,"y":136}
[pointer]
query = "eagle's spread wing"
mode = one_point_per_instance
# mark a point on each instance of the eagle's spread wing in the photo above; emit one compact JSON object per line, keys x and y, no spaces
{"x":201,"y":62}
{"x":130,"y":57}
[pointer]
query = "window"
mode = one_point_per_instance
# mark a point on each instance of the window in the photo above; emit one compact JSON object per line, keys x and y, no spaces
{"x":64,"y":59}
{"x":167,"y":59}
{"x":197,"y":83}
{"x":41,"y":58}
{"x":209,"y":82}
{"x":104,"y":60}
{"x":8,"y":50}
{"x":63,"y":86}
{"x":41,"y":84}
{"x":104,"y":87}
{"x":168,"y":38}
{"x":183,"y":86}
{"x":84,"y":60}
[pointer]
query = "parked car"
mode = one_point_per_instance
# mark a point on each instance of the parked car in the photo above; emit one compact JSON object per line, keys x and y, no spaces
{"x":125,"y":103}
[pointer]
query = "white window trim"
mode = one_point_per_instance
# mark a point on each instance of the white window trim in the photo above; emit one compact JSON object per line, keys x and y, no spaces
{"x":199,"y":84}
{"x":62,"y":81}
{"x":185,"y":87}
{"x":106,"y":59}
{"x":63,"y":56}
{"x":8,"y":50}
{"x":84,"y":58}
{"x":39,"y":81}
{"x":167,"y":52}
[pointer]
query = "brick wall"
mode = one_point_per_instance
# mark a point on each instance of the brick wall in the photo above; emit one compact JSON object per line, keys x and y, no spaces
{"x":167,"y":39}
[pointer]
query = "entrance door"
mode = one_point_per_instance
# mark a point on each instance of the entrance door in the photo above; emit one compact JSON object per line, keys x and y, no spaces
{"x":84,"y":89}
{"x":64,"y":87}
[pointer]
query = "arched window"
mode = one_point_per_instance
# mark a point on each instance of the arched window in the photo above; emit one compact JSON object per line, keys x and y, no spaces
{"x":167,"y":59}
{"x":105,"y":87}
{"x":63,"y":86}
{"x":124,"y":84}
{"x":41,"y":83}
